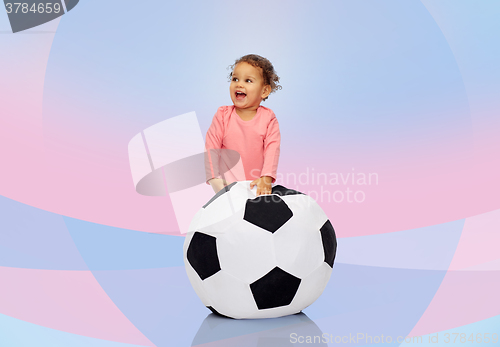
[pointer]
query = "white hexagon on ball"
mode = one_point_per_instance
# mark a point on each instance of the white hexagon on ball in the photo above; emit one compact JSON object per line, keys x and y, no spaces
{"x":259,"y":257}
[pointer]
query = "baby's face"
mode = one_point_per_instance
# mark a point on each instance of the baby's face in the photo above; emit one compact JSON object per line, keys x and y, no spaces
{"x":247,"y":87}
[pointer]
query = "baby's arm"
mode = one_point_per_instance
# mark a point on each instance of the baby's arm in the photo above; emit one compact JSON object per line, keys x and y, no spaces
{"x":272,"y":143}
{"x":213,"y":145}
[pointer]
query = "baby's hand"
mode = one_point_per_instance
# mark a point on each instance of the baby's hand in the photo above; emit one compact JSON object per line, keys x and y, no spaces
{"x":263,"y":185}
{"x":217,"y":184}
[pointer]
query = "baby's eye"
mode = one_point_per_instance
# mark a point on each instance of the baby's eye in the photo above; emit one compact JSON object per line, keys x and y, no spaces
{"x":249,"y":80}
{"x":235,"y":79}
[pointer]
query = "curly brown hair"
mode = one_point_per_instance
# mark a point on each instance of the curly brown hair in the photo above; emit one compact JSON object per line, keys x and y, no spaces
{"x":270,"y":76}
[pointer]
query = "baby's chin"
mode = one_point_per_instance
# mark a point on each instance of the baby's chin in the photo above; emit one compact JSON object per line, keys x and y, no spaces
{"x":244,"y":104}
{"x":239,"y":104}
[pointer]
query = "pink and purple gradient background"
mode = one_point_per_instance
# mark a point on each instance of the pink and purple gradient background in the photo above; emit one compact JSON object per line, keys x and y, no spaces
{"x":407,"y":90}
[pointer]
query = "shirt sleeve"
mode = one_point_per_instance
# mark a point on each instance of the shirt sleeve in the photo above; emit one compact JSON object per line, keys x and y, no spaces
{"x":213,"y":145}
{"x":272,"y":143}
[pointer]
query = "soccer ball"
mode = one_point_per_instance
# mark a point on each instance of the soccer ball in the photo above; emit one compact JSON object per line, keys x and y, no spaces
{"x":259,"y":257}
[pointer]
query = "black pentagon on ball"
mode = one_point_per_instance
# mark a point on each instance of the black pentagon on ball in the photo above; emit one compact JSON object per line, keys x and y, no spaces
{"x":329,"y":242}
{"x":202,"y":255}
{"x":277,"y":288}
{"x":268,"y":212}
{"x":219,"y":193}
{"x":280,"y":190}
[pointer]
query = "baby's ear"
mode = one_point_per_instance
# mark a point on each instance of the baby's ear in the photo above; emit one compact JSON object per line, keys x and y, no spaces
{"x":266,"y":91}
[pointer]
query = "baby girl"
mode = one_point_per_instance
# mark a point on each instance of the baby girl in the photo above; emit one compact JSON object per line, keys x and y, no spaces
{"x":246,"y":127}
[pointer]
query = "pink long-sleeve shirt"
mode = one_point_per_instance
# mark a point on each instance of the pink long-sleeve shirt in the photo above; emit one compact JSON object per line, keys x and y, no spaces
{"x":257,"y":142}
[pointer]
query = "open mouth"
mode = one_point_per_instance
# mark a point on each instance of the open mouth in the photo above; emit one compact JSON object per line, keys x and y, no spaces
{"x":240,"y":95}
